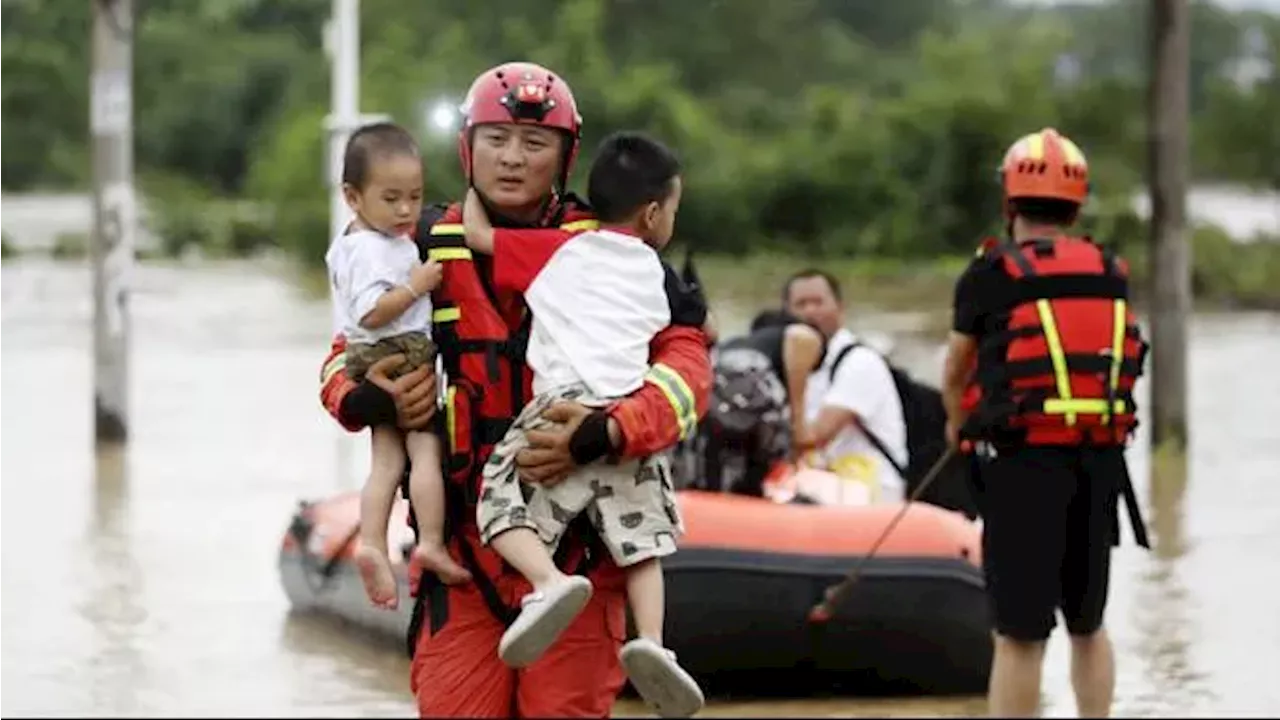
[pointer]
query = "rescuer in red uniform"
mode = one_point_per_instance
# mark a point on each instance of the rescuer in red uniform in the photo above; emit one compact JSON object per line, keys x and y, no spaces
{"x":517,"y":145}
{"x":1043,"y":357}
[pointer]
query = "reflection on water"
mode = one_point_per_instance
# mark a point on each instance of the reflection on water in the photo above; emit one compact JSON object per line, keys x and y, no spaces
{"x":1166,"y":628}
{"x":144,"y":582}
{"x":376,"y":670}
{"x":112,"y":605}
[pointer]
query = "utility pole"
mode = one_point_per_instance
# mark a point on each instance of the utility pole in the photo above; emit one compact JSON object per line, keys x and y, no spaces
{"x":114,"y":213}
{"x":342,"y":39}
{"x":1170,"y":254}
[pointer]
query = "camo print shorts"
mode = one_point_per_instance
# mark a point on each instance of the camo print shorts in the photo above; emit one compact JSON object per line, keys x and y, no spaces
{"x":632,"y":504}
{"x":417,"y":348}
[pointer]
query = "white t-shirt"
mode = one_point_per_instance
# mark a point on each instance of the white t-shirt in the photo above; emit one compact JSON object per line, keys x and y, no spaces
{"x":598,"y":298}
{"x":863,"y":385}
{"x":363,"y":265}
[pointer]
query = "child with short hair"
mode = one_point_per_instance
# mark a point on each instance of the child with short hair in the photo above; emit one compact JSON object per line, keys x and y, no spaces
{"x":382,"y":306}
{"x":597,"y":298}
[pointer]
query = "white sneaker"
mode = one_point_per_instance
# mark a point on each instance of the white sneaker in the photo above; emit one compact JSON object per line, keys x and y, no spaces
{"x":543,"y":616}
{"x":661,"y":682}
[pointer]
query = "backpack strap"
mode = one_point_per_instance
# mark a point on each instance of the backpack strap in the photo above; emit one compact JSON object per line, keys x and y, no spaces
{"x":876,"y":442}
{"x":839,"y":360}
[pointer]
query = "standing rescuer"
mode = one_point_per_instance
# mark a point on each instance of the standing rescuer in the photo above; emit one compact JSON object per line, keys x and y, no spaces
{"x":518,"y":144}
{"x":1040,"y":370}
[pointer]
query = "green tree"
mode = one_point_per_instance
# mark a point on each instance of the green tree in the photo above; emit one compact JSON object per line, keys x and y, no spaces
{"x":847,"y":127}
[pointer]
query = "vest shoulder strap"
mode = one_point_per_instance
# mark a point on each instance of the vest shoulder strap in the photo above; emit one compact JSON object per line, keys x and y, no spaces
{"x":1031,"y":285}
{"x":423,"y":233}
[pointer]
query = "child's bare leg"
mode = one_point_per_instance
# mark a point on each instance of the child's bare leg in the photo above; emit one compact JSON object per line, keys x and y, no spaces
{"x":528,"y":555}
{"x":652,"y":668}
{"x":376,"y":500}
{"x":547,"y":611}
{"x":646,"y":594}
{"x":426,"y":491}
{"x":508,"y":520}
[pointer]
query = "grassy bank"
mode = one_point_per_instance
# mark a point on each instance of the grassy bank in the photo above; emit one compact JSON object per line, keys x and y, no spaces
{"x":756,"y":280}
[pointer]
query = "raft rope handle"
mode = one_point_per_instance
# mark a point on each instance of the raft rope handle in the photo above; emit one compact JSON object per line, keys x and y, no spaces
{"x":834,"y":594}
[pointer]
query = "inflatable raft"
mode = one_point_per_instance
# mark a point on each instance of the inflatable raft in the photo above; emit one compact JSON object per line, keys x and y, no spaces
{"x":739,"y":589}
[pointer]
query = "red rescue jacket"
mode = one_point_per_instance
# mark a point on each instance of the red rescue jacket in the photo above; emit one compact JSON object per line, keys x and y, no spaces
{"x":481,"y":334}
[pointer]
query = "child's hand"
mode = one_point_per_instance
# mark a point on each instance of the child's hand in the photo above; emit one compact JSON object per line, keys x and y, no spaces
{"x":426,"y":277}
{"x":475,"y":223}
{"x":474,"y":215}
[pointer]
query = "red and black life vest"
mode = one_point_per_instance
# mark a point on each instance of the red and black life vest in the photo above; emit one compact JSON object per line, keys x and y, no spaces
{"x":1062,"y":367}
{"x":482,"y":337}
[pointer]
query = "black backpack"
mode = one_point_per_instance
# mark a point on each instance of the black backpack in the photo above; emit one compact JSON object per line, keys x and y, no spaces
{"x":926,"y":421}
{"x":744,"y":394}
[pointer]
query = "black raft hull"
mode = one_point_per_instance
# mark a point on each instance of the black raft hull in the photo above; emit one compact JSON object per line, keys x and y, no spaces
{"x":739,"y":591}
{"x":738,"y":621}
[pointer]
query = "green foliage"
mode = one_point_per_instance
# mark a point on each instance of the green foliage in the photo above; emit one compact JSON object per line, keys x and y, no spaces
{"x":1229,"y":273}
{"x":816,"y":128}
{"x":70,"y":246}
{"x":45,"y":93}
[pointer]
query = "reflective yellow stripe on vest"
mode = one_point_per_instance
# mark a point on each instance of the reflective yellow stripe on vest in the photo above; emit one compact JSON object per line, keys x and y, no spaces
{"x":1060,"y":375}
{"x":449,"y":253}
{"x":1082,"y":406}
{"x":583,"y":225}
{"x":678,"y":394}
{"x":1065,"y":404}
{"x":450,"y":421}
{"x":440,"y":254}
{"x":333,"y":367}
{"x":444,"y":315}
{"x":1118,"y":317}
{"x":446,"y":229}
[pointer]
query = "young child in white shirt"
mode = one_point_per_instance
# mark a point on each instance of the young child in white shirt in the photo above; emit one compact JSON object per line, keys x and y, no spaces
{"x":598,"y":299}
{"x":382,"y":306}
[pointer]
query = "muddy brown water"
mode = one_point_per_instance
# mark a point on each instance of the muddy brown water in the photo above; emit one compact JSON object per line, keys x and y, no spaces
{"x":145,"y":583}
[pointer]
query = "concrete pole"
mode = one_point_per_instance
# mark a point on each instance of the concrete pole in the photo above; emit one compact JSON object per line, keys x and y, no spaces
{"x":343,"y":41}
{"x":1171,"y":299}
{"x":344,"y":103}
{"x":115,"y":213}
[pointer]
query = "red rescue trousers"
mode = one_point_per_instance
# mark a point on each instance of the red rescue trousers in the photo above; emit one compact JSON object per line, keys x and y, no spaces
{"x":456,"y":671}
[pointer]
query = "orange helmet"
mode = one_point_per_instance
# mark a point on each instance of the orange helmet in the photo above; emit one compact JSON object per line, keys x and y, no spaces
{"x":1045,"y":164}
{"x":521,"y":92}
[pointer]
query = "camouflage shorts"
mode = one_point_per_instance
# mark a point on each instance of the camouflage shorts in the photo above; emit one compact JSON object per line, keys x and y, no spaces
{"x":417,"y":348}
{"x":632,"y":504}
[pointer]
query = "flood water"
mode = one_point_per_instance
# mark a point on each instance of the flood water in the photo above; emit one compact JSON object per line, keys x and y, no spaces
{"x":146,"y":584}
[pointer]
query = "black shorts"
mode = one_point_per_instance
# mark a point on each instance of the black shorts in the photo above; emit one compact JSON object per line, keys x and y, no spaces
{"x":1049,"y":524}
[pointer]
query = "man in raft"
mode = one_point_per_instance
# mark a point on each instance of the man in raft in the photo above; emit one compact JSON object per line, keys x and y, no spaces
{"x":853,"y":411}
{"x":518,"y":144}
{"x":1041,"y":364}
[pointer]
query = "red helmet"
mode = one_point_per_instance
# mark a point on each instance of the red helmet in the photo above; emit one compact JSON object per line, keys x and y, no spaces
{"x":1045,"y":164}
{"x":521,"y":92}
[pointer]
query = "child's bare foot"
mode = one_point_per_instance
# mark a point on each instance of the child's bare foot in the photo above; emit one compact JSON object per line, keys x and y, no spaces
{"x":435,"y":558}
{"x":379,"y":581}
